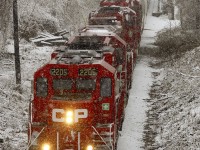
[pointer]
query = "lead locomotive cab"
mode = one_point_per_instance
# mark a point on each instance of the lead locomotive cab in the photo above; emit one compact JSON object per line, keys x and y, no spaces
{"x":73,"y":107}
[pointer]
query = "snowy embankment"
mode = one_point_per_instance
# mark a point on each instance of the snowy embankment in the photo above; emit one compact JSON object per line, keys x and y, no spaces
{"x":13,"y":105}
{"x":174,"y":107}
{"x":135,"y":133}
{"x":176,"y":102}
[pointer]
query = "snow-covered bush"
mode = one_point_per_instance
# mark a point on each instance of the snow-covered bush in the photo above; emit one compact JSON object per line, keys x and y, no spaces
{"x":34,"y":18}
{"x":49,"y":16}
{"x":189,"y":14}
{"x":177,"y":41}
{"x":177,"y":104}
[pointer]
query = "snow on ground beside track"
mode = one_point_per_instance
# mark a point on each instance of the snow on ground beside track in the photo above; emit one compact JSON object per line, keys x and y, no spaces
{"x":131,"y":135}
{"x":175,"y":100}
{"x":135,"y":117}
{"x":13,"y":105}
{"x":155,"y":24}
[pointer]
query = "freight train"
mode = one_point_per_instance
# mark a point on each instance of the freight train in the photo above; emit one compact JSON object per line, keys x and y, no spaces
{"x":80,"y":95}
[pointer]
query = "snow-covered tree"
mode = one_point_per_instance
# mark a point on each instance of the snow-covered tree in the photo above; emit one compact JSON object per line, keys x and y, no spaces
{"x":5,"y":8}
{"x":171,"y":8}
{"x":189,"y":13}
{"x":49,"y":15}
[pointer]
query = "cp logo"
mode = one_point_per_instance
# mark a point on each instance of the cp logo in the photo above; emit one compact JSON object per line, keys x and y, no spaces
{"x":78,"y":113}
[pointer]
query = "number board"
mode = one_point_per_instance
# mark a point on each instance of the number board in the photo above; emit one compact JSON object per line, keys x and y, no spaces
{"x":88,"y":72}
{"x":59,"y":72}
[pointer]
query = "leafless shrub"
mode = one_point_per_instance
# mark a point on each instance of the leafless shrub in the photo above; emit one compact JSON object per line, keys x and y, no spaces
{"x":35,"y":18}
{"x":50,"y":16}
{"x":174,"y":42}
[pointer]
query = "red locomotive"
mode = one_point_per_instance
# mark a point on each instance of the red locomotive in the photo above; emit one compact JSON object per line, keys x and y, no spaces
{"x":139,"y":6}
{"x":81,"y":94}
{"x":122,"y":18}
{"x":88,"y":78}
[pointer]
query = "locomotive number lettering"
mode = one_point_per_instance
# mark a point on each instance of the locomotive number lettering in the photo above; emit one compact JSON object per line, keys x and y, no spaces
{"x":88,"y":72}
{"x":78,"y":113}
{"x":58,"y":72}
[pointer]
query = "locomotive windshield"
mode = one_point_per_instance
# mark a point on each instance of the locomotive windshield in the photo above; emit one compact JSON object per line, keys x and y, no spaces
{"x":69,"y":96}
{"x":80,"y":84}
{"x":109,"y":10}
{"x":62,"y":84}
{"x":85,"y":84}
{"x":63,"y":89}
{"x":105,"y":22}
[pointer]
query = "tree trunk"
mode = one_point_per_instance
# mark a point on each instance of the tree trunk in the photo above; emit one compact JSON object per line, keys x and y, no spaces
{"x":170,"y":9}
{"x":5,"y":8}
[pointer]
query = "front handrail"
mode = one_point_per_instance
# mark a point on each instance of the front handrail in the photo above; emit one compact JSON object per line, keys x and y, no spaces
{"x":35,"y":139}
{"x":102,"y":137}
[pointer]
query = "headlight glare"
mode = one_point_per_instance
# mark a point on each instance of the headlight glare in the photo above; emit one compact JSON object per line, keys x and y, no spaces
{"x":69,"y":117}
{"x":89,"y":147}
{"x":45,"y":146}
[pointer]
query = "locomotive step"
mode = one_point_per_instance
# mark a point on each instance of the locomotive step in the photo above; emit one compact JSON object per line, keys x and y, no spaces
{"x":107,"y":140}
{"x":104,"y":133}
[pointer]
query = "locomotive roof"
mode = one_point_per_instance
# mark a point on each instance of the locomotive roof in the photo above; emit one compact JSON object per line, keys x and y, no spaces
{"x":113,"y":9}
{"x":104,"y":2}
{"x":98,"y":31}
{"x":81,"y":57}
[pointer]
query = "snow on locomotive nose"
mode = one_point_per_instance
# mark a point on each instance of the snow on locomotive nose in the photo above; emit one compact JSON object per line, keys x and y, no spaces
{"x":77,"y":96}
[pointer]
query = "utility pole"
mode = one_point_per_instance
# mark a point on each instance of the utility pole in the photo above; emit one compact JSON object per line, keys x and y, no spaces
{"x":16,"y":43}
{"x":171,"y":9}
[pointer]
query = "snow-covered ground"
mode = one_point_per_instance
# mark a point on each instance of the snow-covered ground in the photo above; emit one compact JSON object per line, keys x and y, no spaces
{"x":176,"y":102}
{"x":14,"y":102}
{"x":135,"y":117}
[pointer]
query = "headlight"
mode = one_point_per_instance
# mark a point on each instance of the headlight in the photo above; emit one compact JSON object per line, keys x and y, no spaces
{"x":89,"y":147}
{"x":45,"y":146}
{"x":69,"y":117}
